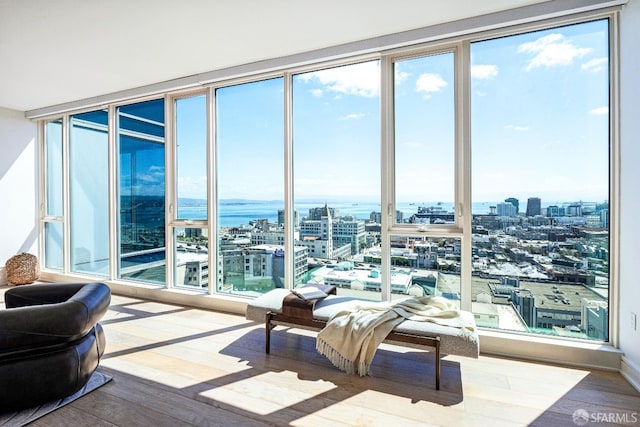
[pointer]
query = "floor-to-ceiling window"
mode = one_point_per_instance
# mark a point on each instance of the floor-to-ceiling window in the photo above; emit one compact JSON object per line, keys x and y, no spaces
{"x":476,"y":169}
{"x":250,"y":187}
{"x":89,"y":193}
{"x":426,"y":258}
{"x":54,"y":200}
{"x":140,"y":136}
{"x":336,"y":147}
{"x":190,"y":238}
{"x":540,"y":161}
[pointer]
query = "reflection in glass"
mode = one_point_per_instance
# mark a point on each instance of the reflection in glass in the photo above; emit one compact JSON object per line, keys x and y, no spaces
{"x":140,"y":135}
{"x":89,"y":192}
{"x":336,"y":146}
{"x":250,"y":183}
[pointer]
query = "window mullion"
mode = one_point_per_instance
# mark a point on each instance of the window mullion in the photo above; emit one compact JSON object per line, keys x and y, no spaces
{"x":614,"y":180}
{"x":212,"y":192}
{"x":114,"y":217}
{"x":462,"y":207}
{"x":171,"y":205}
{"x":66,"y":205}
{"x":289,"y":246}
{"x":387,"y":164}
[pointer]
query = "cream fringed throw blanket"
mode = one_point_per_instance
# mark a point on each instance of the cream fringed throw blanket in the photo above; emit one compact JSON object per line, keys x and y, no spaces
{"x":350,"y":339}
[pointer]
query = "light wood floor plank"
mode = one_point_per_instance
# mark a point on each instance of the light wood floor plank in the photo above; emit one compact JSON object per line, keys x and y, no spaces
{"x":180,"y":366}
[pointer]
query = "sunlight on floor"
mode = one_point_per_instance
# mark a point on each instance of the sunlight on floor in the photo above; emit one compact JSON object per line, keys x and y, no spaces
{"x":268,"y":392}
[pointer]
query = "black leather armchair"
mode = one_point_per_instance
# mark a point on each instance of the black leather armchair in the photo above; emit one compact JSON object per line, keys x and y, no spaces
{"x":50,"y":341}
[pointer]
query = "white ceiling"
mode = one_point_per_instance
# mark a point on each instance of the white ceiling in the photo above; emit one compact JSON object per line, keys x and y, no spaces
{"x":57,"y":51}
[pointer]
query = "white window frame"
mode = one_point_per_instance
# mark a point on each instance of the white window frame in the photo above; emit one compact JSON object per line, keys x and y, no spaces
{"x":171,"y":181}
{"x":387,"y":53}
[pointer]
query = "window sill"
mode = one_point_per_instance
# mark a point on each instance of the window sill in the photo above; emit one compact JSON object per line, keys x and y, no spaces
{"x":545,"y":349}
{"x":200,"y":299}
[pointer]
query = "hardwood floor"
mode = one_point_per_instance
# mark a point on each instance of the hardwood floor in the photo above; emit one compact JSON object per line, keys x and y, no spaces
{"x":175,"y":366}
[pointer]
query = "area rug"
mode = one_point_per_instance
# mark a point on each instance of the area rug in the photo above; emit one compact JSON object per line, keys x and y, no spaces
{"x":21,"y":418}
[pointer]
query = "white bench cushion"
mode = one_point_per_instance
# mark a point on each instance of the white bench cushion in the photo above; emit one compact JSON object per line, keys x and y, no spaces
{"x":451,"y":340}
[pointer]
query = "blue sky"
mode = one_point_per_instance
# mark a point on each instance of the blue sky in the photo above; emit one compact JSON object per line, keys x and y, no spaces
{"x":540,"y":115}
{"x":539,"y":126}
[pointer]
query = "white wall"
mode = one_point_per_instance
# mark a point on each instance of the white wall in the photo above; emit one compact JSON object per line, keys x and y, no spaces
{"x":630,"y":190}
{"x":18,"y":187}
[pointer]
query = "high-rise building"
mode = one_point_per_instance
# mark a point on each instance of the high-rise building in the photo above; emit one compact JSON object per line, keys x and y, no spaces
{"x":319,"y":230}
{"x":553,"y":211}
{"x":604,"y":218}
{"x":574,"y":209}
{"x":332,"y":238}
{"x":249,"y":266}
{"x":317,"y":213}
{"x":273,"y":237}
{"x":515,"y":202}
{"x":296,"y":218}
{"x":506,"y":209}
{"x":534,"y":206}
{"x":377,"y":217}
{"x":192,"y":232}
{"x":525,"y":303}
{"x":595,"y":315}
{"x":349,"y":232}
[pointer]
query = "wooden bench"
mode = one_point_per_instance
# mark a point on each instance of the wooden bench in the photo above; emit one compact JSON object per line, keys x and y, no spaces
{"x":269,"y":309}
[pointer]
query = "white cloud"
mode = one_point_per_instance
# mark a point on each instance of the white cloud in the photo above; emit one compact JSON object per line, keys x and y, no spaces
{"x":316,"y":92}
{"x":153,"y":174}
{"x":354,"y":116}
{"x":600,"y":111}
{"x":358,"y":79}
{"x":552,"y":50}
{"x":430,"y":82}
{"x":595,"y":65}
{"x":484,"y":72}
{"x":518,"y":128}
{"x":401,"y":76}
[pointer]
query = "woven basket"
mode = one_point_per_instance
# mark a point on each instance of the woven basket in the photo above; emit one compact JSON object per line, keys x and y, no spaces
{"x":22,"y":269}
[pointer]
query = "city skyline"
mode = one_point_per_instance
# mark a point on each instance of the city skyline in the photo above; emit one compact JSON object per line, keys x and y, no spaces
{"x":236,"y":212}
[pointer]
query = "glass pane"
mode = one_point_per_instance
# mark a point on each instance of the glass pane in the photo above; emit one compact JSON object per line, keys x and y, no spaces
{"x":336,"y":137}
{"x":191,"y":157}
{"x":53,"y":245}
{"x":142,"y":197}
{"x":89,"y":192}
{"x":192,"y":258}
{"x":53,"y":147}
{"x":424,"y":139}
{"x":540,"y":135}
{"x":425,"y":266}
{"x":250,"y":182}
